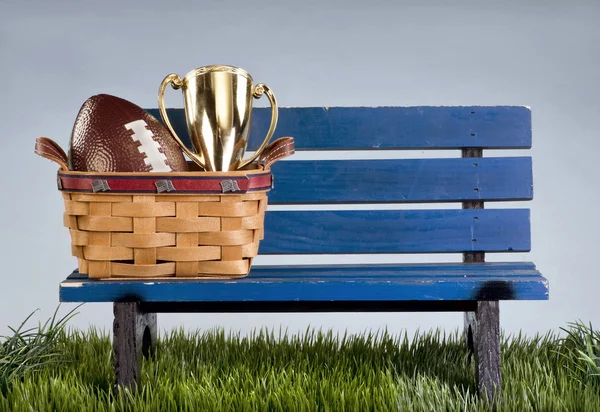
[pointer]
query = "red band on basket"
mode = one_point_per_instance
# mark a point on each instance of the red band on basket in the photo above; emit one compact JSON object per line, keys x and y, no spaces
{"x":163,"y":183}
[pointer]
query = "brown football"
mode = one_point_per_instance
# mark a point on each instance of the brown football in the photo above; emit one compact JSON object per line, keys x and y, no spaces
{"x":112,"y":134}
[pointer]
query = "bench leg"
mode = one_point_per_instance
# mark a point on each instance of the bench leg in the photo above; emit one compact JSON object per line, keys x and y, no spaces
{"x":484,"y":325}
{"x":134,"y":336}
{"x":470,"y":332}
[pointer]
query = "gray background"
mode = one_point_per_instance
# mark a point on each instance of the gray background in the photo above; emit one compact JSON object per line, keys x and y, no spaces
{"x":543,"y":54}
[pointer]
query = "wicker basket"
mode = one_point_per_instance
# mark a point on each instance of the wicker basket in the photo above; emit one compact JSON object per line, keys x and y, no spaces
{"x":163,"y":225}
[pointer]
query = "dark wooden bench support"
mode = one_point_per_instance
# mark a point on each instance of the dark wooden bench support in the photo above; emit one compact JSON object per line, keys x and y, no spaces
{"x":470,"y":330}
{"x":482,"y":337}
{"x":134,"y":337}
{"x":487,"y":349}
{"x":482,"y":327}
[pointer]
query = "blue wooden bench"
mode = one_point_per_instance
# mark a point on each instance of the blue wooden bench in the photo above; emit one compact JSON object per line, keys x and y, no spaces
{"x":468,"y":284}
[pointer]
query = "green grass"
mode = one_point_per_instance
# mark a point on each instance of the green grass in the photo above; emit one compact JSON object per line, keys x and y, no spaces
{"x":29,"y":350}
{"x":211,"y":370}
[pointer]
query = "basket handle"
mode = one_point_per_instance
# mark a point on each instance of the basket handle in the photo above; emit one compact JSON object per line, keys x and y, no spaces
{"x":49,"y":149}
{"x":279,"y":149}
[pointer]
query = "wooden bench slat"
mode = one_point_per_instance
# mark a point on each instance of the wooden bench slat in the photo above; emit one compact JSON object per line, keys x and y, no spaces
{"x":364,"y":128}
{"x":382,"y":270}
{"x":396,"y":231}
{"x":402,"y":180}
{"x":392,"y":283}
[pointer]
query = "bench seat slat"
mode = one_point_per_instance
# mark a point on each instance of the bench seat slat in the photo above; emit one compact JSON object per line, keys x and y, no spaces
{"x":326,"y":283}
{"x":364,"y":128}
{"x":402,"y":180}
{"x":395,"y":268}
{"x":396,"y":231}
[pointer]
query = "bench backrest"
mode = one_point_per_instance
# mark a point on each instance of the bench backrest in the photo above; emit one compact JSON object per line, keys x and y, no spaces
{"x":403,"y":180}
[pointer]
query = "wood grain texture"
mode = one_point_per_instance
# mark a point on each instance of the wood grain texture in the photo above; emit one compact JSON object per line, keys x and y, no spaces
{"x":393,"y":282}
{"x":402,"y":180}
{"x":134,"y":337}
{"x":487,"y":350}
{"x":475,"y":204}
{"x":343,"y":128}
{"x":396,"y":231}
{"x":470,"y":324}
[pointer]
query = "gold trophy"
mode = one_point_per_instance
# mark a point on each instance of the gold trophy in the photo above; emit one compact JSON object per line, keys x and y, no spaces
{"x":218,"y":107}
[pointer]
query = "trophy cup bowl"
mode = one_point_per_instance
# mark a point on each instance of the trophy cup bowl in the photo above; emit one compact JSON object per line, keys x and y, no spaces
{"x":218,"y":108}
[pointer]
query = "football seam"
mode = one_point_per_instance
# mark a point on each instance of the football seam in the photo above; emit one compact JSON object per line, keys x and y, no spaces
{"x":139,"y":136}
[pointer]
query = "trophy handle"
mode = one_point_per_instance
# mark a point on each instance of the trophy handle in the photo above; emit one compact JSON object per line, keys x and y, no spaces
{"x":176,"y":83}
{"x":259,"y":89}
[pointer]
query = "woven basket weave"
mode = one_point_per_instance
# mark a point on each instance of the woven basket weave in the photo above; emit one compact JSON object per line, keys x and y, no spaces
{"x":151,"y":225}
{"x":154,"y":235}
